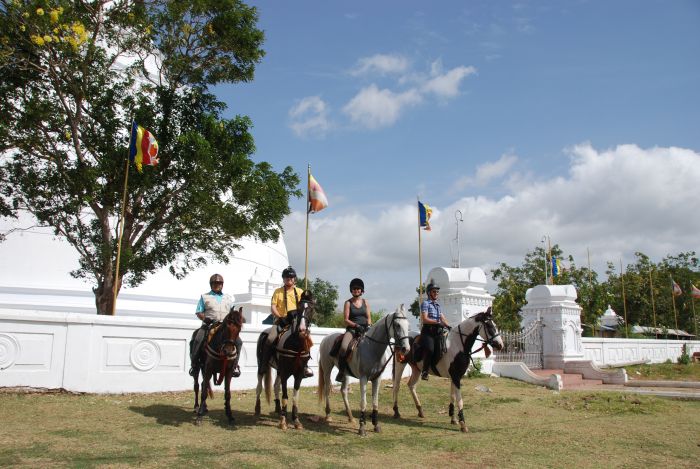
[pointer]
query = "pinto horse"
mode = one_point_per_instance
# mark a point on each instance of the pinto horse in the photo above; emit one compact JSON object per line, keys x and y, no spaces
{"x":290,"y":357}
{"x":367,"y":363}
{"x":219,"y":356}
{"x":454,"y":362}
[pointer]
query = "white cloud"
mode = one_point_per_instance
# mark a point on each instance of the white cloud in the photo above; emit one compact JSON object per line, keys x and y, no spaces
{"x":446,"y":85}
{"x":487,"y":172}
{"x":382,"y":64}
{"x":374,"y":108}
{"x":614,"y":202}
{"x":309,"y":117}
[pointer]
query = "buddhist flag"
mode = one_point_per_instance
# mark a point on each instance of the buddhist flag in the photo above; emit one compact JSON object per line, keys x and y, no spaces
{"x":424,"y":213}
{"x":143,"y":148}
{"x":556,"y":267}
{"x":676,"y":289}
{"x":317,"y":198}
{"x":694,"y":291}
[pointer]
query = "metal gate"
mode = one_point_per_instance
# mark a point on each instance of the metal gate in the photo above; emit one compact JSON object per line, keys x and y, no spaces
{"x":525,"y":346}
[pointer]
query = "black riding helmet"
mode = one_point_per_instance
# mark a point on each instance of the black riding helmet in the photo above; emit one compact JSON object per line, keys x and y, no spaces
{"x":216,"y":278}
{"x":289,"y":272}
{"x":357,"y":283}
{"x":432,"y":286}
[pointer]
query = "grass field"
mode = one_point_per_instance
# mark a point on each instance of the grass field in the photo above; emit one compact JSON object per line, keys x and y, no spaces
{"x":665,"y":371}
{"x":512,"y":425}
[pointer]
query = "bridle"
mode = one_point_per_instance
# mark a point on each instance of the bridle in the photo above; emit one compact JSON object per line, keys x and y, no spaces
{"x":394,"y":325}
{"x":468,"y":340}
{"x":221,"y":354}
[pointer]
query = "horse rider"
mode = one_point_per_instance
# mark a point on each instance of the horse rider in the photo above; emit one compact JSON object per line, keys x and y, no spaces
{"x":358,"y":318}
{"x":432,"y":318}
{"x":285,"y":303}
{"x":213,"y":306}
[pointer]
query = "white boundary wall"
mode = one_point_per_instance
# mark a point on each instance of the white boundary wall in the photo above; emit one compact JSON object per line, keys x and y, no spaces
{"x":611,"y":352}
{"x":112,"y":354}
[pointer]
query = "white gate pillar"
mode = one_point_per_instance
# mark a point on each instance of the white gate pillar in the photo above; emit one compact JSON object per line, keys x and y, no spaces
{"x":556,"y":306}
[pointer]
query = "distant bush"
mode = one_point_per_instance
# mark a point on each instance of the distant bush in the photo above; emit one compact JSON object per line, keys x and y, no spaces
{"x":684,"y":359}
{"x":475,"y":371}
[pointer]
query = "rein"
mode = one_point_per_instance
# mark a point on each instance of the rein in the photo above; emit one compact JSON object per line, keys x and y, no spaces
{"x":219,"y":355}
{"x":388,"y":342}
{"x":463,"y":338}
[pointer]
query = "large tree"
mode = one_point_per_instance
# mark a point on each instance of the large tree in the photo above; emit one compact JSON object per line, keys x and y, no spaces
{"x":513,"y":283}
{"x":72,"y":76}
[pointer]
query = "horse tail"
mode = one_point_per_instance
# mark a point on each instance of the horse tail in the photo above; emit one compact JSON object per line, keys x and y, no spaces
{"x":321,"y":381}
{"x":267,"y":384}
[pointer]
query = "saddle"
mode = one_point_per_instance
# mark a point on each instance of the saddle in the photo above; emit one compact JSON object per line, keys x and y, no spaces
{"x":335,"y":350}
{"x":438,"y":352}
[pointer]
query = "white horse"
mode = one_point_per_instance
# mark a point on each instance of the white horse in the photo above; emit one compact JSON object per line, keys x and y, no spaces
{"x":453,"y":364}
{"x":367,"y":363}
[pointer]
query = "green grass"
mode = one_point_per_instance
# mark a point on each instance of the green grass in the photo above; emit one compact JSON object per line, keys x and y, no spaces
{"x":513,"y":425}
{"x":665,"y":371}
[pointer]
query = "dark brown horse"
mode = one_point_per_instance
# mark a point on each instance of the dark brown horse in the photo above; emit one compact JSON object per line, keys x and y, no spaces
{"x":291,"y":356}
{"x":219,"y":356}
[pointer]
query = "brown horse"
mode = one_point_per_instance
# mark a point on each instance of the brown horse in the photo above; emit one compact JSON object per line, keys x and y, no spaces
{"x":291,"y":356}
{"x":219,"y":356}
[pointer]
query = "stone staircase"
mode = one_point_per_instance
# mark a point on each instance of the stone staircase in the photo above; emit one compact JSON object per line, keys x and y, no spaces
{"x":570,"y":380}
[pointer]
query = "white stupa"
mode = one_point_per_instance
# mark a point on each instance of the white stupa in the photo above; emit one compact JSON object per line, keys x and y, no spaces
{"x":36,"y":265}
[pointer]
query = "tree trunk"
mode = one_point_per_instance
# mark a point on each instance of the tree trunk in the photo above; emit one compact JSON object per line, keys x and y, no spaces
{"x":104,"y":297}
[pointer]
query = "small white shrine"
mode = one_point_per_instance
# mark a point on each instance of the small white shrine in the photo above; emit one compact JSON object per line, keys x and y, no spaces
{"x":462,"y":291}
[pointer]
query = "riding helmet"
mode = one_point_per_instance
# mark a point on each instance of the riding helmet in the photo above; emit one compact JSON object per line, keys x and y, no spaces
{"x":289,"y":272}
{"x":432,"y":286}
{"x":357,"y":283}
{"x":216,"y":278}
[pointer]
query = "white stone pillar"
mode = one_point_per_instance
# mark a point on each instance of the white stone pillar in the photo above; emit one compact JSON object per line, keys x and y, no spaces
{"x":462,"y":292}
{"x":556,"y":306}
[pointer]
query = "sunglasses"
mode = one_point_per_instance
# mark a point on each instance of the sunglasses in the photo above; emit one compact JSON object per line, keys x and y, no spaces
{"x":216,"y":283}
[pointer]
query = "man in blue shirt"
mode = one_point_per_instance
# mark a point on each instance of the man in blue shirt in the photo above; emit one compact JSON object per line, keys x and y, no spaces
{"x":212,"y":307}
{"x":432,"y":318}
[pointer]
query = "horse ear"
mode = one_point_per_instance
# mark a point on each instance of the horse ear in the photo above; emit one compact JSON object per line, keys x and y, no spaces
{"x":480,"y":317}
{"x":240,"y":311}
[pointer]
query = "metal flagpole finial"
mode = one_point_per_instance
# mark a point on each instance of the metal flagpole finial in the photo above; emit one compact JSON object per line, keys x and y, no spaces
{"x":456,"y":262}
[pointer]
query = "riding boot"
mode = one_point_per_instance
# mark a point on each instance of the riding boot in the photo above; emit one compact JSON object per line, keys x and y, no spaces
{"x":426,"y":369}
{"x":340,"y":377}
{"x":236,"y":369}
{"x":308,"y":372}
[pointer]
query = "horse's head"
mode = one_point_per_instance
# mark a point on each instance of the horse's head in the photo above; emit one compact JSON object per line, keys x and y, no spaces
{"x":233,"y":323}
{"x":488,"y":330}
{"x":399,"y":330}
{"x":308,"y":306}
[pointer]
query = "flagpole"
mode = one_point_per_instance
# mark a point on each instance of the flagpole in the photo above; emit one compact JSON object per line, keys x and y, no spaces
{"x":420,"y":262}
{"x":590,"y":289}
{"x":653,"y":306}
{"x":308,"y":209}
{"x":549,"y":266}
{"x":692,"y":303}
{"x":624,"y":301}
{"x":673,"y":300}
{"x":121,"y":227}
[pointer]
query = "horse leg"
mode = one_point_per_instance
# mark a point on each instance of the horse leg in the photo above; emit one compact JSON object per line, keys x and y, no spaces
{"x":283,"y":412}
{"x":363,"y":405}
{"x":227,"y":396}
{"x":396,"y":384}
{"x":412,"y":383}
{"x":344,"y":388}
{"x":324,"y":379}
{"x":196,"y":389}
{"x":205,"y":391}
{"x":295,"y":401}
{"x":451,"y":412}
{"x":278,"y":408}
{"x":460,"y":405}
{"x":375,"y":405}
{"x":258,"y":391}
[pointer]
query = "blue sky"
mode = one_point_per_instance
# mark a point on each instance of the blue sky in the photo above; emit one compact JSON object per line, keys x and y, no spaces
{"x":572,"y":119}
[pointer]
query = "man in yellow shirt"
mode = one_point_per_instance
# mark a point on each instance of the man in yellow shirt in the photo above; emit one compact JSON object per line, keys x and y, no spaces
{"x":285,"y":302}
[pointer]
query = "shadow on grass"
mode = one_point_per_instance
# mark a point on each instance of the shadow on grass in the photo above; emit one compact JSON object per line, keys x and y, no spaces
{"x":175,"y":416}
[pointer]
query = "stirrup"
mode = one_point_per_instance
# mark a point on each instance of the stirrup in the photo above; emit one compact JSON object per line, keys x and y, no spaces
{"x":236,"y":371}
{"x":191,"y":372}
{"x":308,"y":372}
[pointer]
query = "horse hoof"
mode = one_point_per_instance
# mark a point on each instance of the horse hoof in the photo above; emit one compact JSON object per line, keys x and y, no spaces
{"x":283,"y":426}
{"x":377,"y":429}
{"x":328,"y":419}
{"x":397,"y":415}
{"x":198,"y":421}
{"x":257,"y":409}
{"x":298,"y":426}
{"x":362,"y":431}
{"x":463,"y":427}
{"x":421,"y":414}
{"x":351,"y":420}
{"x":453,"y":422}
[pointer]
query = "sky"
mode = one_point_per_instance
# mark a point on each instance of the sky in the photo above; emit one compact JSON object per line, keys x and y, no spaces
{"x":576,"y":120}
